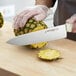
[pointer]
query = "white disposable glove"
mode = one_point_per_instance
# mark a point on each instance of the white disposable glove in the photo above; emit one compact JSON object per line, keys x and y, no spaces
{"x":72,"y":21}
{"x":38,"y":12}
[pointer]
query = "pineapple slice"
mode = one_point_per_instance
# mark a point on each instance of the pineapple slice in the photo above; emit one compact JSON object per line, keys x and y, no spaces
{"x":1,"y":20}
{"x":49,"y":54}
{"x":32,"y":26}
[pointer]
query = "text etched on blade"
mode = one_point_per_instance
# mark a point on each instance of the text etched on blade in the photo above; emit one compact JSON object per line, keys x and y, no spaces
{"x":51,"y":30}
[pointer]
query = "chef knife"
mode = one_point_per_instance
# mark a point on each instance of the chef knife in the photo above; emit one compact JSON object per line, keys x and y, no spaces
{"x":49,"y":34}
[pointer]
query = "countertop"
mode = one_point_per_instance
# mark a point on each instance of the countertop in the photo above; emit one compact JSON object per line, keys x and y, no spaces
{"x":24,"y":62}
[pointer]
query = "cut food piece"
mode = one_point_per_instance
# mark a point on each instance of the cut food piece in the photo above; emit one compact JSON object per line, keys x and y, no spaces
{"x":49,"y":54}
{"x":1,"y":20}
{"x":32,"y":26}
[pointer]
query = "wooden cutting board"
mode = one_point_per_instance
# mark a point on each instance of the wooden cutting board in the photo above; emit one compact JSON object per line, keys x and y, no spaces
{"x":24,"y":62}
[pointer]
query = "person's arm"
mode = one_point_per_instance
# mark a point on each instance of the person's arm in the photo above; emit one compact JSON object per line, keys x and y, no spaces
{"x":48,"y":3}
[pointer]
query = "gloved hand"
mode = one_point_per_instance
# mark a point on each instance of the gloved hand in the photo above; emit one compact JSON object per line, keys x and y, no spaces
{"x":72,"y":20}
{"x":38,"y":12}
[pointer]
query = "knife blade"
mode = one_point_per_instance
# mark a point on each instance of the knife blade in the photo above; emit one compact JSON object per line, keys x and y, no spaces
{"x":49,"y":34}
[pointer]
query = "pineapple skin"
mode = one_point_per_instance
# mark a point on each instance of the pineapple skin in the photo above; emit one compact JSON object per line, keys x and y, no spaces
{"x":1,"y":20}
{"x":32,"y":26}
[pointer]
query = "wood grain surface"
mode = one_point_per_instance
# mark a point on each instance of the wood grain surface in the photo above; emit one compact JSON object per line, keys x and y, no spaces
{"x":24,"y":61}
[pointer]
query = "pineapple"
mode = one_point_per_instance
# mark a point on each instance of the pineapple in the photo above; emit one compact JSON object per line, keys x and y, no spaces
{"x":49,"y":54}
{"x":1,"y":20}
{"x":32,"y":26}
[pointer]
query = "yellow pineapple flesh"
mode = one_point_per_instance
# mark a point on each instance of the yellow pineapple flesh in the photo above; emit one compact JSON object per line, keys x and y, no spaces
{"x":49,"y":54}
{"x":32,"y":26}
